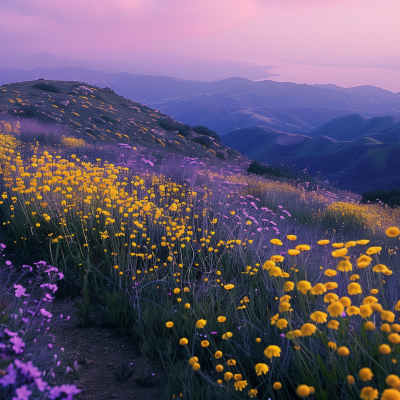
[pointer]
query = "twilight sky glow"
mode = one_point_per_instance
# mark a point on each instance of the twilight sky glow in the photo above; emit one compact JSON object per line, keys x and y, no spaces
{"x":330,"y":33}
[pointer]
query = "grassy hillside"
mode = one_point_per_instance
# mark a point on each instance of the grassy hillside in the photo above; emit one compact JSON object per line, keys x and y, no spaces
{"x":100,"y":116}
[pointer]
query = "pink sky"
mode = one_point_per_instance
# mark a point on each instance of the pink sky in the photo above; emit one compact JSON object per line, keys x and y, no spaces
{"x":331,"y":33}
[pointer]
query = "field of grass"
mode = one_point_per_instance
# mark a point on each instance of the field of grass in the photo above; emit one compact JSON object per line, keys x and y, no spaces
{"x":242,"y":287}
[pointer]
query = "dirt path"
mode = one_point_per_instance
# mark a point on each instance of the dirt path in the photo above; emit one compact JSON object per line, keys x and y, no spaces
{"x":103,"y":357}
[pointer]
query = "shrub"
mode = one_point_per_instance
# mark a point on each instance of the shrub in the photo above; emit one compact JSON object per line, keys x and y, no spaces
{"x":204,"y":130}
{"x":48,"y":87}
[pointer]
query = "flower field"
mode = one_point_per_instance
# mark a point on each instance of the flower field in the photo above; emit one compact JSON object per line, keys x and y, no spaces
{"x":242,"y":287}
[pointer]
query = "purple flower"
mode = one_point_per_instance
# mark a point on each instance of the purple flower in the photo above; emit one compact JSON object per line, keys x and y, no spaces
{"x":41,"y":384}
{"x":22,"y":393}
{"x":9,"y":333}
{"x":10,"y":378}
{"x":50,"y":346}
{"x":18,"y":344}
{"x":69,"y":390}
{"x":8,"y":262}
{"x":61,"y":275}
{"x":46,"y":313}
{"x":49,"y":286}
{"x":20,"y":291}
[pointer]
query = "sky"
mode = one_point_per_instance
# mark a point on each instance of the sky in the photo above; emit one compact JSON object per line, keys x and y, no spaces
{"x":344,"y":36}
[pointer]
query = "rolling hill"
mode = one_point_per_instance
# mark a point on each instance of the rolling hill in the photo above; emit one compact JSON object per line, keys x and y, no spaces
{"x":361,"y":164}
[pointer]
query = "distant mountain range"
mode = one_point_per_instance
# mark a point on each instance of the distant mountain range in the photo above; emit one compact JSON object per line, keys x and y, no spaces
{"x":232,"y":103}
{"x":354,"y":152}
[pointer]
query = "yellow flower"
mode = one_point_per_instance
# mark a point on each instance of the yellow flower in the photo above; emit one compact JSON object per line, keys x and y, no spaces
{"x":228,"y":376}
{"x":350,"y":244}
{"x":373,"y":250}
{"x":218,"y":354}
{"x":344,"y":266}
{"x":201,"y":323}
{"x":380,"y":268}
{"x":169,"y":324}
{"x":333,"y":325}
{"x":308,"y":329}
{"x":339,"y":252}
{"x":277,"y":385}
{"x":227,"y":335}
{"x":240,"y":385}
{"x":229,"y":286}
{"x":277,"y":258}
{"x":330,"y":285}
{"x":275,"y":271}
{"x":365,"y":310}
{"x":319,"y":288}
{"x":369,"y":393}
{"x":303,"y":391}
{"x":394,"y":338}
{"x":354,"y":288}
{"x":397,"y":306}
{"x":369,"y":326}
{"x":304,"y":286}
{"x":261,"y":369}
{"x":352,"y":310}
{"x":291,"y":237}
{"x":274,"y":319}
{"x":392,"y":380}
{"x":187,"y":306}
{"x":303,"y":247}
{"x":284,"y":306}
{"x":231,"y":362}
{"x":318,"y":316}
{"x":363,"y":261}
{"x":196,"y":366}
{"x":350,"y":379}
{"x":385,"y":328}
{"x":343,"y":351}
{"x":396,"y":328}
{"x":177,"y":290}
{"x":335,"y":308}
{"x":285,"y":298}
{"x":330,"y":273}
{"x":362,"y":241}
{"x":370,"y":300}
{"x":293,"y":252}
{"x":276,"y":242}
{"x":288,"y":286}
{"x":258,"y":340}
{"x":387,"y":316}
{"x":385,"y":349}
{"x":219,"y":368}
{"x":332,"y":345}
{"x":272,"y":351}
{"x":297,"y":333}
{"x":390,"y":394}
{"x":268,"y":265}
{"x":281,"y":323}
{"x":337,"y":245}
{"x":330,"y":298}
{"x":205,"y":343}
{"x":323,"y":242}
{"x":237,"y":377}
{"x":253,"y":393}
{"x":365,"y":374}
{"x":374,"y":291}
{"x":354,"y":277}
{"x":193,"y":360}
{"x":392,"y":231}
{"x":345,"y":301}
{"x":221,"y":319}
{"x":183,"y":342}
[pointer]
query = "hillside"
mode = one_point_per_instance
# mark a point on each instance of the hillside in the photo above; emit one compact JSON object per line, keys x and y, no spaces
{"x":101,"y":116}
{"x":233,"y":103}
{"x":358,"y":165}
{"x":355,"y":126}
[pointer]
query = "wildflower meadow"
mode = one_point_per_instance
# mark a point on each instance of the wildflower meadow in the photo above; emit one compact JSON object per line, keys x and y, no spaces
{"x":241,"y":287}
